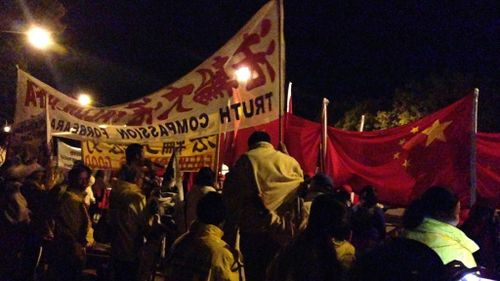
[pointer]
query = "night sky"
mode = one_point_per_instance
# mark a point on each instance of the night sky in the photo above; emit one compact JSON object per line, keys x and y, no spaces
{"x":343,"y":50}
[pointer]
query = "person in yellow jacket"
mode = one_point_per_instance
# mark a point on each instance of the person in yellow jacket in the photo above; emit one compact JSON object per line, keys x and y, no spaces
{"x":260,"y":192}
{"x":72,"y":227}
{"x":128,"y":221}
{"x":201,"y":254}
{"x":432,"y":220}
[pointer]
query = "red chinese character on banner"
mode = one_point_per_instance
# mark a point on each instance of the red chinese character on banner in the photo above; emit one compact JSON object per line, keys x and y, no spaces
{"x":142,"y":112}
{"x":177,"y":95}
{"x":214,"y":84}
{"x":254,"y":60}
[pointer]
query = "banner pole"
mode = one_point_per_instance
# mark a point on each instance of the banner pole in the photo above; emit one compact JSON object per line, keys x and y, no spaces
{"x":473,"y":153}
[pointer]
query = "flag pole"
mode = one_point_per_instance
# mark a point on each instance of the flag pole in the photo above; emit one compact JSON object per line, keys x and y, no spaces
{"x":324,"y":134}
{"x":288,"y":106}
{"x":49,"y":141}
{"x":473,"y":153}
{"x":289,"y":98}
{"x":362,"y":123}
{"x":281,"y":69}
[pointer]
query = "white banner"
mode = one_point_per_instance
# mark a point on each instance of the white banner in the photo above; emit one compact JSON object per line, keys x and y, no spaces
{"x":67,"y":155}
{"x":199,"y":104}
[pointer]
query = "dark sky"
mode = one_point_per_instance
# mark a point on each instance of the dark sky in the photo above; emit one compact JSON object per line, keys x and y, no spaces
{"x":122,"y":50}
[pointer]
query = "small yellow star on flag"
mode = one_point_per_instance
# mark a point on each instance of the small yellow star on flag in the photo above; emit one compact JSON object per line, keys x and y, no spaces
{"x":415,"y":130}
{"x":406,"y":163}
{"x":396,"y":155}
{"x":402,"y":141}
{"x":436,"y":131}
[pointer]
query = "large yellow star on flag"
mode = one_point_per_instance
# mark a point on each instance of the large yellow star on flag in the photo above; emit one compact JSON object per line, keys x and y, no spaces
{"x":436,"y":131}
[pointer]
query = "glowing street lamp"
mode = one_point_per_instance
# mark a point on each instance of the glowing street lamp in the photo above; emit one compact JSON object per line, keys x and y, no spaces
{"x":84,"y":99}
{"x":6,"y":128}
{"x":39,"y":38}
{"x":243,"y":74}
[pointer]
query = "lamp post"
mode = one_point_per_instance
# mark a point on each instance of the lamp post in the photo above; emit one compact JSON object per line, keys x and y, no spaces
{"x":243,"y":74}
{"x":84,"y":99}
{"x":39,"y":37}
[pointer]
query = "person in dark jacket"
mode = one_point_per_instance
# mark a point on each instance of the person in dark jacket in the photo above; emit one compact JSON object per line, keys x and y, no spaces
{"x":368,"y":222}
{"x":312,"y":256}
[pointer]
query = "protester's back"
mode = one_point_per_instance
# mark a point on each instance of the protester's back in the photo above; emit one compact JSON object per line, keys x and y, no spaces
{"x":398,"y":260}
{"x":200,"y":253}
{"x":312,"y":256}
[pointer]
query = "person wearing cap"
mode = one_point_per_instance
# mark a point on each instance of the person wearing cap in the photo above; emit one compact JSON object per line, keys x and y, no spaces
{"x":260,"y":192}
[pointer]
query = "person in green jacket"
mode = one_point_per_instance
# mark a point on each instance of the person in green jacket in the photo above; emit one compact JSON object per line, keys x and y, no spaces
{"x":432,"y":220}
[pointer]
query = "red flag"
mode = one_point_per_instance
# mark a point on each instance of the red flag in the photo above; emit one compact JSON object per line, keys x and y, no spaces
{"x":488,"y":168}
{"x":302,"y":139}
{"x":402,"y":162}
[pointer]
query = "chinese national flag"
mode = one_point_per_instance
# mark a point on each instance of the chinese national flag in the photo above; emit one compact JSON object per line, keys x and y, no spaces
{"x":488,"y":168}
{"x":404,"y":161}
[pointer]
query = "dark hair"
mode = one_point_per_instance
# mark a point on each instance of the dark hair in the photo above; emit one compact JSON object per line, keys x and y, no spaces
{"x":258,"y":136}
{"x":321,"y":182}
{"x":205,"y":177}
{"x":210,"y":209}
{"x":75,"y":172}
{"x":130,"y":173}
{"x":99,"y":174}
{"x":399,"y":259}
{"x":133,"y":152}
{"x":436,"y":202}
{"x":369,"y":195}
{"x":342,"y":195}
{"x":328,"y":217}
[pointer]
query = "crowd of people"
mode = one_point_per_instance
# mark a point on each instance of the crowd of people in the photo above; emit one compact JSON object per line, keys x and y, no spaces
{"x":267,"y":221}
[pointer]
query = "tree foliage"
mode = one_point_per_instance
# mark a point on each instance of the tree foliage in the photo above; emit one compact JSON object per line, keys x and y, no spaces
{"x":419,"y":98}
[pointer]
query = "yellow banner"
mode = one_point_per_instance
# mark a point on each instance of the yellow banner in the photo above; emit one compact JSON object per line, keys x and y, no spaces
{"x":194,"y":153}
{"x":211,"y":97}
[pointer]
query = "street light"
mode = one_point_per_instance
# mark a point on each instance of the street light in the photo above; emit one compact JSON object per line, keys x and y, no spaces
{"x":243,"y":74}
{"x":7,"y":128}
{"x":84,"y":99}
{"x":39,"y":38}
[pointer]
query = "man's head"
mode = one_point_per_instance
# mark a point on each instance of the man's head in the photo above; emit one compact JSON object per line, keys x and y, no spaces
{"x":256,"y":137}
{"x":210,"y":209}
{"x":328,"y":217}
{"x":134,"y":154}
{"x":205,"y":177}
{"x":131,"y":174}
{"x":368,"y":196}
{"x":321,"y":183}
{"x":99,"y":174}
{"x":78,"y":177}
